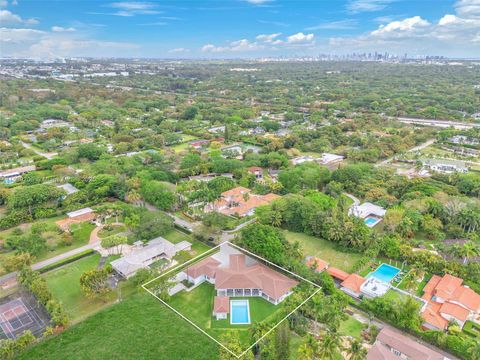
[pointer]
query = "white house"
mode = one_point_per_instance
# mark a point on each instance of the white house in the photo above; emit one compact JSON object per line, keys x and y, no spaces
{"x":446,"y":166}
{"x":156,"y":249}
{"x":371,"y":214}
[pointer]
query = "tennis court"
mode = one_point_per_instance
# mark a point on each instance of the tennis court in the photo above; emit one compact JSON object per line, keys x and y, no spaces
{"x":20,"y":312}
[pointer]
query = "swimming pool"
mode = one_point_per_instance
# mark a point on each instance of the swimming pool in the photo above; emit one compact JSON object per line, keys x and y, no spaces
{"x":384,"y":273}
{"x":371,"y":221}
{"x":239,"y":312}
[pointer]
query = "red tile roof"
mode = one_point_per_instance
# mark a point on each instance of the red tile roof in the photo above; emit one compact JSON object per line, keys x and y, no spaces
{"x":319,"y":264}
{"x":454,"y":310}
{"x":432,"y":317}
{"x":221,"y":304}
{"x":337,"y":273}
{"x":353,"y":282}
{"x":206,"y":266}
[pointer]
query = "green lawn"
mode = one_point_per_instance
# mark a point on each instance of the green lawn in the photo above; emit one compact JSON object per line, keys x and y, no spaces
{"x":197,"y":306}
{"x":351,"y":327}
{"x":198,"y":247}
{"x":113,"y":231}
{"x":137,"y":328}
{"x":324,"y":250}
{"x":65,"y":286}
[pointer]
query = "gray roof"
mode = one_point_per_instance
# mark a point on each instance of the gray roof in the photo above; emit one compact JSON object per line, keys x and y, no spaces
{"x":129,"y":264}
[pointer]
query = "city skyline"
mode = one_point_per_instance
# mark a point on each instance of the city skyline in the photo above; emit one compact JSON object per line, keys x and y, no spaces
{"x":238,"y":28}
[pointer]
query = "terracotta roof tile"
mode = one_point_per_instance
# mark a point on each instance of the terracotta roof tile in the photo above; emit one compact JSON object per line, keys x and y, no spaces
{"x":221,"y":304}
{"x":353,"y":282}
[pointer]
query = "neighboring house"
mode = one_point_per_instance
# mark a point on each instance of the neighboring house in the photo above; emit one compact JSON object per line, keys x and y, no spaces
{"x":328,"y":159}
{"x":445,"y":166}
{"x":236,"y":274}
{"x":301,"y":159}
{"x":370,"y":213}
{"x":315,"y":263}
{"x":391,"y":345}
{"x":11,"y":175}
{"x":240,"y":201}
{"x":69,"y":188}
{"x":352,"y":285}
{"x":448,"y":299}
{"x":463,"y":140}
{"x":257,"y":171}
{"x":221,"y":307}
{"x":217,"y":129}
{"x":364,"y":210}
{"x":357,"y":286}
{"x":141,"y":258}
{"x":75,"y":217}
{"x":198,"y":144}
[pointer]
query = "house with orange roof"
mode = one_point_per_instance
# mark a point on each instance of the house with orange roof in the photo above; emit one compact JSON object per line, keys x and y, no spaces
{"x":240,"y":201}
{"x":235,"y":274}
{"x":221,"y":307}
{"x":317,"y":264}
{"x":352,"y":285}
{"x":449,"y":300}
{"x":257,"y":171}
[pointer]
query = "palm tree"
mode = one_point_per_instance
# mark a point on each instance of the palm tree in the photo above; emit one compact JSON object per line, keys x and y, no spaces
{"x":329,"y":346}
{"x":309,"y":349}
{"x":468,"y":250}
{"x":356,"y":351}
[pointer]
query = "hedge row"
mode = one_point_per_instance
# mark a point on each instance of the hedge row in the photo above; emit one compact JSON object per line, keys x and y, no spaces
{"x":66,"y":261}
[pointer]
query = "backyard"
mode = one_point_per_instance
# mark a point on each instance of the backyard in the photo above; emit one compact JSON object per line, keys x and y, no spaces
{"x":64,"y":283}
{"x":324,"y":250}
{"x":136,"y":328}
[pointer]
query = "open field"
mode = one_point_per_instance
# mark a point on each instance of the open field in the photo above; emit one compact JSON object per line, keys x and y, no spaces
{"x":136,"y":328}
{"x":325,"y":250}
{"x":351,"y":327}
{"x":65,"y":286}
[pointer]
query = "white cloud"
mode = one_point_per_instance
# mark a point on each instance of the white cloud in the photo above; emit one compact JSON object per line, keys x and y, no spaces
{"x":399,"y":27}
{"x":7,"y":17}
{"x":335,"y":25}
{"x":300,"y":38}
{"x":46,"y":44}
{"x":468,"y":8}
{"x":178,"y":50}
{"x":59,"y":29}
{"x":357,"y":6}
{"x":210,"y":48}
{"x":132,"y":8}
{"x":267,"y":37}
{"x":268,"y":42}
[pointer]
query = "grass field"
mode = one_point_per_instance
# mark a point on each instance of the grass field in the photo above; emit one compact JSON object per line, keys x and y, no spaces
{"x":136,"y":328}
{"x":65,"y":286}
{"x":324,"y":250}
{"x":351,"y":327}
{"x":198,"y":247}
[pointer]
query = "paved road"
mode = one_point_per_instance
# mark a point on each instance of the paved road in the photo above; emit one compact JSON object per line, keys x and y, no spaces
{"x":42,"y":264}
{"x":49,"y":156}
{"x":459,"y":125}
{"x":416,"y":148}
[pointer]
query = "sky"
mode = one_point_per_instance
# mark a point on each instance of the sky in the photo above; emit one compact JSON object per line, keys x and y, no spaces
{"x":238,"y":28}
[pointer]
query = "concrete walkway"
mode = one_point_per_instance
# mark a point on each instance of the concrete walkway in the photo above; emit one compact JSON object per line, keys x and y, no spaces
{"x":49,"y":156}
{"x":52,"y":260}
{"x":355,"y":200}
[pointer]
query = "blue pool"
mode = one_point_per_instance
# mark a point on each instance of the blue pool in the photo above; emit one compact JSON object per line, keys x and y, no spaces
{"x":371,"y":221}
{"x":385,"y":273}
{"x":239,"y":312}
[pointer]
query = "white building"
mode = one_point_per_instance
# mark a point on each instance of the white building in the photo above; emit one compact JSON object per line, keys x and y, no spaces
{"x":141,"y":258}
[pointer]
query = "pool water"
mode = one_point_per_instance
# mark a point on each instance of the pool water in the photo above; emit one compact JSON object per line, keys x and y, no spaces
{"x":239,"y":312}
{"x":385,"y":273}
{"x":370,"y":221}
